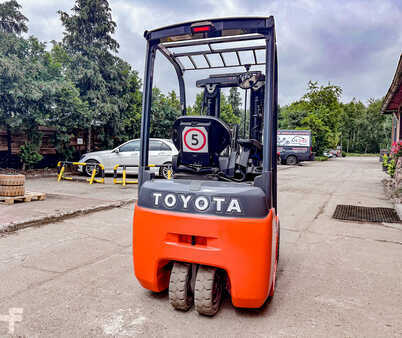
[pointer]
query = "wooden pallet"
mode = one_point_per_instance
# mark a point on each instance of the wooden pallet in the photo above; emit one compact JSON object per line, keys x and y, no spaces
{"x":28,"y":197}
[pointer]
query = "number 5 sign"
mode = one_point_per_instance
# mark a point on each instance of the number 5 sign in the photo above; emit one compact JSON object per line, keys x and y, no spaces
{"x":195,"y":139}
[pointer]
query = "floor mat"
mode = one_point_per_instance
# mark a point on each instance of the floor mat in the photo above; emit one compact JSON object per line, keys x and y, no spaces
{"x":365,"y":214}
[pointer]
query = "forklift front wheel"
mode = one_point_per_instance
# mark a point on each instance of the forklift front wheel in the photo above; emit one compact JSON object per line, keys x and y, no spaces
{"x":208,"y":290}
{"x":180,"y":292}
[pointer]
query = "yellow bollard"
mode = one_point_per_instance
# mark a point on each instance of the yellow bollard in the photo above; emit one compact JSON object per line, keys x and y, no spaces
{"x":92,"y":176}
{"x":60,"y":174}
{"x":124,"y":176}
{"x":169,"y":174}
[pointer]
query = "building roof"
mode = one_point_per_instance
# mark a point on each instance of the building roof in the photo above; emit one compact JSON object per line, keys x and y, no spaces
{"x":393,"y":99}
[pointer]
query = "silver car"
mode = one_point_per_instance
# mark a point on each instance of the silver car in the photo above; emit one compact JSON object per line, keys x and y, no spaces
{"x":161,"y":152}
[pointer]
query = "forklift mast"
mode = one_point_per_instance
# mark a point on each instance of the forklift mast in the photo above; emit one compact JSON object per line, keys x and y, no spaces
{"x":211,"y":98}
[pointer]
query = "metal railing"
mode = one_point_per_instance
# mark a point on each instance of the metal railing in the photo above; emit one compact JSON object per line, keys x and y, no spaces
{"x":124,"y":179}
{"x":61,"y":166}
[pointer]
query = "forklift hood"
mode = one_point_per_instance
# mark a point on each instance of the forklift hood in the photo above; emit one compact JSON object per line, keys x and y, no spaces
{"x":205,"y":197}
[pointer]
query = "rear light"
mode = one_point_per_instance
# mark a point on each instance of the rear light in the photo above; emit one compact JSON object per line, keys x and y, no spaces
{"x":311,"y":150}
{"x":201,"y":29}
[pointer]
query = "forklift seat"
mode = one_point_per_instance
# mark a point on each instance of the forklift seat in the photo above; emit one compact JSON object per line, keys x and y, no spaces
{"x":200,"y":140}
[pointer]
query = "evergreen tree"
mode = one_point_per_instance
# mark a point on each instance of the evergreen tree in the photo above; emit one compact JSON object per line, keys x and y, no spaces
{"x":100,"y":76}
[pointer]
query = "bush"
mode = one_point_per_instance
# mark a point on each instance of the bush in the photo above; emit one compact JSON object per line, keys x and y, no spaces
{"x":385,"y":160}
{"x":321,"y":158}
{"x":343,"y":154}
{"x":391,"y":168}
{"x":29,"y":156}
{"x":362,"y":154}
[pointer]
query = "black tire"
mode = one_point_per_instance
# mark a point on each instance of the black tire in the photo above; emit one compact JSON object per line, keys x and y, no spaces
{"x":89,"y":168}
{"x":181,"y":295}
{"x":163,"y":171}
{"x":208,"y":292}
{"x":291,"y":160}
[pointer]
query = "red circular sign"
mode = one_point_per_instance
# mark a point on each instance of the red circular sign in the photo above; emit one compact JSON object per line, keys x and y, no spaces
{"x":203,"y":142}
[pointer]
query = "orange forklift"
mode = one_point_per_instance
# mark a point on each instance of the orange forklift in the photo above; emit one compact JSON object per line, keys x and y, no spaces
{"x":214,"y":226}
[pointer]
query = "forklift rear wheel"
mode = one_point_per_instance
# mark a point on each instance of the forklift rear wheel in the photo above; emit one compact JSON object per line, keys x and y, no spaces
{"x":291,"y":160}
{"x":208,"y":290}
{"x":180,"y":293}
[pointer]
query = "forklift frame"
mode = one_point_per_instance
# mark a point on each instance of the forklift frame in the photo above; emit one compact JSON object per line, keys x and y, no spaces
{"x":209,"y":33}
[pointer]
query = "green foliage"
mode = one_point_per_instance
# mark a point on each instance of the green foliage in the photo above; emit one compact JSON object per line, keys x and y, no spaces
{"x":365,"y":129}
{"x":385,"y":160}
{"x":391,"y":165}
{"x":361,"y":154}
{"x":11,"y":18}
{"x":321,"y":158}
{"x":234,"y":100}
{"x":356,"y":127}
{"x":164,"y":111}
{"x":100,"y":77}
{"x":29,"y":155}
{"x":228,"y":113}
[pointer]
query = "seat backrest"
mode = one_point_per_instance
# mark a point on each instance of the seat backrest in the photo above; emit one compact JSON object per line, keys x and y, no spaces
{"x":200,"y":140}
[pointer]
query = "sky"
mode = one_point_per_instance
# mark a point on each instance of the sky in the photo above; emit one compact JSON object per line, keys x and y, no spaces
{"x":353,"y":44}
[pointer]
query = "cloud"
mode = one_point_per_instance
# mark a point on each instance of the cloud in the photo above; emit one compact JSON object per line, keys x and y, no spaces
{"x":352,"y":43}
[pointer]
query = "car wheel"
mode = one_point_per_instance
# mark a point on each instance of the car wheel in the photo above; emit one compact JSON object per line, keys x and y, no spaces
{"x":291,"y":160}
{"x":90,"y":167}
{"x":164,"y":170}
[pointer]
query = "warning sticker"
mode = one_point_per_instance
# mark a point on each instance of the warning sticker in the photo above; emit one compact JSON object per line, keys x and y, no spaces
{"x":195,"y":139}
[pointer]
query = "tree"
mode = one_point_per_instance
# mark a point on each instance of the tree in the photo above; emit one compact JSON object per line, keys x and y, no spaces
{"x":11,"y":18}
{"x":164,"y":111}
{"x":318,"y":110}
{"x":197,"y":107}
{"x":227,"y":113}
{"x":12,"y":21}
{"x":131,"y":120}
{"x":100,"y":76}
{"x":234,"y":100}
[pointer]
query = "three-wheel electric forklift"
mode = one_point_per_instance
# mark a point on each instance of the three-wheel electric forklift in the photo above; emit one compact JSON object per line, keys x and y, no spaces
{"x":214,"y":226}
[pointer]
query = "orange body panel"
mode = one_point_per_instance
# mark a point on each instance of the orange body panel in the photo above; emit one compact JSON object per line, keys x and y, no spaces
{"x":244,"y":248}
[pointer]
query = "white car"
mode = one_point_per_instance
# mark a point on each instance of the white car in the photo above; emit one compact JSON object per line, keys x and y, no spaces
{"x":161,"y":152}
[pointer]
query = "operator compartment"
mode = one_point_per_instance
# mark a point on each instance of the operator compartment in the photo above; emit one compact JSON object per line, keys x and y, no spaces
{"x":200,"y":141}
{"x":204,"y":197}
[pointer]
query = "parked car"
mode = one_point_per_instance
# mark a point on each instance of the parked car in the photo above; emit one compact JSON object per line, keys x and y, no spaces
{"x":294,"y":146}
{"x":161,"y":152}
{"x":328,"y":154}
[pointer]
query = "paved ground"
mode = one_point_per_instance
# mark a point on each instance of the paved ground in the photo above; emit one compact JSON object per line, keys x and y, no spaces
{"x":336,"y":279}
{"x":63,"y":198}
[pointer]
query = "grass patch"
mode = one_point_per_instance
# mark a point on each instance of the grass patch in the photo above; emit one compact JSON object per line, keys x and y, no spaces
{"x":362,"y":155}
{"x":321,"y":158}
